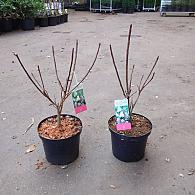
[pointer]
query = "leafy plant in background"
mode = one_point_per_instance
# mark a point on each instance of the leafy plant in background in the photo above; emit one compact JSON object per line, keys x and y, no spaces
{"x":6,"y":8}
{"x":128,"y":6}
{"x":117,"y":4}
{"x":29,"y":8}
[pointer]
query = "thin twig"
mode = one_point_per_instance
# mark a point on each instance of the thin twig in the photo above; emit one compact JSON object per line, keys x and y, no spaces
{"x":44,"y":94}
{"x":127,"y":58}
{"x":140,"y":82}
{"x":36,"y":80}
{"x":69,"y":73}
{"x":89,"y":70}
{"x":151,"y":70}
{"x":40,"y":75}
{"x":130,"y":82}
{"x":146,"y":82}
{"x":117,"y":73}
{"x":56,"y":71}
{"x":28,"y":128}
{"x":74,"y":66}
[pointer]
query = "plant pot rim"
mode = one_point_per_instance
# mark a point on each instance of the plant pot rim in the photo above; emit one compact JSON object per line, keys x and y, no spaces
{"x":40,"y":17}
{"x":42,"y":137}
{"x":52,"y":16}
{"x":133,"y":137}
{"x":7,"y":17}
{"x":28,"y":18}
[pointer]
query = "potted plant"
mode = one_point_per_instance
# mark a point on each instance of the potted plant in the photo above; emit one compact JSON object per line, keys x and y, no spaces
{"x":52,"y":18}
{"x":28,"y":9}
{"x":60,"y":133}
{"x":56,"y":4}
{"x":42,"y":16}
{"x":16,"y":20}
{"x":191,"y":6}
{"x":128,"y":144}
{"x":128,"y":6}
{"x":6,"y":11}
{"x":1,"y":26}
{"x":63,"y":13}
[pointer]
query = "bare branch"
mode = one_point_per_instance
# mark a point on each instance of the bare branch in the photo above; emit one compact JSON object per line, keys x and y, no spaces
{"x":151,"y":70}
{"x":69,"y":72}
{"x":117,"y":73}
{"x":146,"y":82}
{"x":89,"y":70}
{"x":133,"y":94}
{"x":130,"y":82}
{"x":36,"y":80}
{"x":65,"y":91}
{"x":56,"y":71}
{"x":149,"y":80}
{"x":127,"y":58}
{"x":74,"y":66}
{"x":139,"y":86}
{"x":43,"y":86}
{"x":26,"y":72}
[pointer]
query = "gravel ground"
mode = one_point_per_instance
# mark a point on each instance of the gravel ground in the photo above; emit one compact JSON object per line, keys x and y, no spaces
{"x":169,"y":102}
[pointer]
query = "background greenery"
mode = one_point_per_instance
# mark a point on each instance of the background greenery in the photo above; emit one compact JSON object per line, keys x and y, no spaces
{"x":21,"y":8}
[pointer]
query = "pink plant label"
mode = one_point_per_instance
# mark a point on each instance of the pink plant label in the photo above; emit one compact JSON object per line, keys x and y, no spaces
{"x":122,"y":115}
{"x":123,"y":126}
{"x":79,"y":101}
{"x":80,"y":109}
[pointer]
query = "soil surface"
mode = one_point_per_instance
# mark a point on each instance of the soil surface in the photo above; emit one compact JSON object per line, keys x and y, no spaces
{"x":69,"y":126}
{"x":140,"y":126}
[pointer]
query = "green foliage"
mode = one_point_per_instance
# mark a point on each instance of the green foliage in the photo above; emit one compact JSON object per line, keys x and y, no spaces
{"x":21,"y":8}
{"x":6,"y":8}
{"x":106,"y":2}
{"x":128,"y":4}
{"x":149,"y":3}
{"x":29,"y":8}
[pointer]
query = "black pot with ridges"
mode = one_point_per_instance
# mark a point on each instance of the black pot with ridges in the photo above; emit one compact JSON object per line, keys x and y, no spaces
{"x":128,"y":148}
{"x":43,"y":22}
{"x":7,"y":25}
{"x":62,"y":19}
{"x":52,"y":21}
{"x":28,"y":24}
{"x":1,"y":26}
{"x":66,"y":18}
{"x":16,"y":22}
{"x":61,"y":151}
{"x":58,"y":19}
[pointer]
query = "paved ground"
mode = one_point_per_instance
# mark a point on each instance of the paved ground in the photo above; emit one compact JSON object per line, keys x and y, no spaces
{"x":169,"y":102}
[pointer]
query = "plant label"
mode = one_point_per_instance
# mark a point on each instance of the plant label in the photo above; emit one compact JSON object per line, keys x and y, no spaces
{"x":52,"y":5}
{"x":122,"y":114}
{"x":79,"y":101}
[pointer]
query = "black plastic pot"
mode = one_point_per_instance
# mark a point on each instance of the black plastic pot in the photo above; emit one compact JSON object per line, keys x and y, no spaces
{"x":1,"y":25}
{"x":62,"y":19}
{"x":7,"y":25}
{"x":58,"y":19}
{"x":43,"y":22}
{"x":16,"y":22}
{"x":65,"y":17}
{"x":52,"y":21}
{"x":127,"y":148}
{"x":128,"y":10}
{"x":62,"y":151}
{"x":28,"y":24}
{"x":37,"y":21}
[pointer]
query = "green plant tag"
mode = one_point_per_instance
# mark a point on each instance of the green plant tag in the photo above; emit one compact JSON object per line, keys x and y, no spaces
{"x":122,"y":114}
{"x":79,"y":101}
